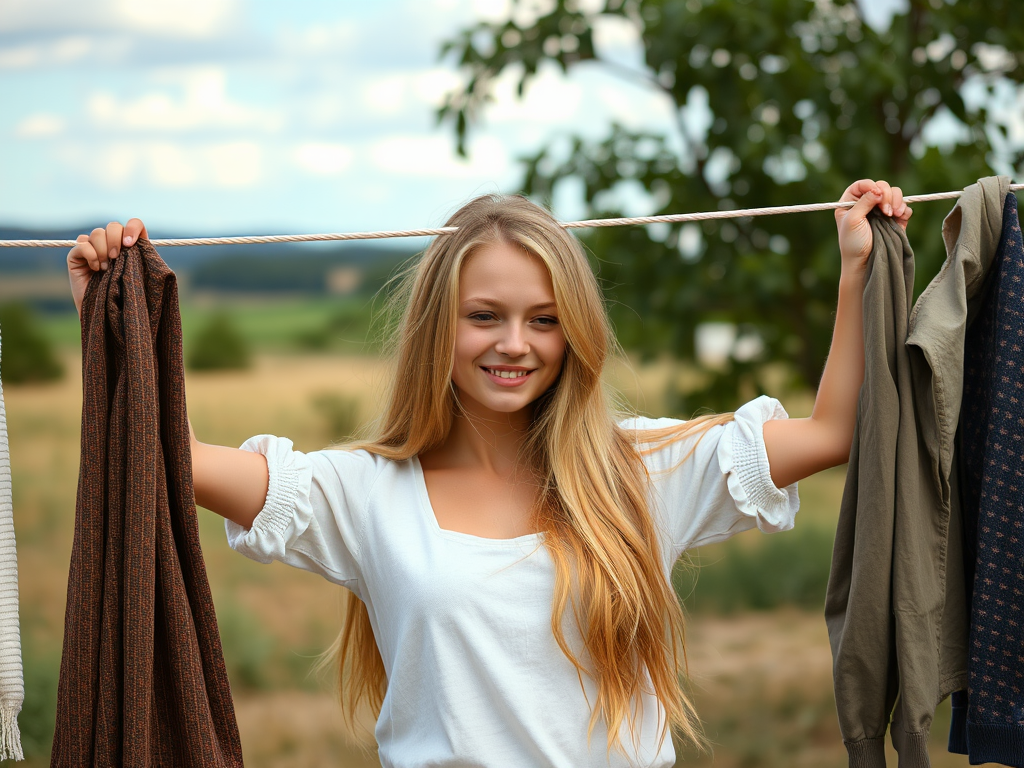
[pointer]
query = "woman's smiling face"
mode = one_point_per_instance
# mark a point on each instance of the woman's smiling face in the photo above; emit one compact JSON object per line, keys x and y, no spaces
{"x":509,"y":345}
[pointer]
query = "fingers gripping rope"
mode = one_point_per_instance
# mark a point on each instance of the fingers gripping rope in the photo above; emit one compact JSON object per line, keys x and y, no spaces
{"x":674,"y":218}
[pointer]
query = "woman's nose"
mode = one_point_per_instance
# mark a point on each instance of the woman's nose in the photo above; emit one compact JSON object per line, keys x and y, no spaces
{"x":513,"y":341}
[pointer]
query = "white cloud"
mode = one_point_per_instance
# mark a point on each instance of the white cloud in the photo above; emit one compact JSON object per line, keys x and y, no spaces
{"x":58,"y":52}
{"x":174,"y":18}
{"x":945,"y":130}
{"x":526,"y":12}
{"x":325,"y":109}
{"x":318,"y":39}
{"x":432,"y":85}
{"x":550,"y":98}
{"x":166,"y":165}
{"x":636,"y":107}
{"x":166,"y":18}
{"x":203,"y":105}
{"x":617,"y":40}
{"x":234,"y":164}
{"x":323,"y":159}
{"x":407,"y":92}
{"x":386,"y":96}
{"x":615,"y":32}
{"x":878,"y":13}
{"x":492,"y":10}
{"x":150,"y":98}
{"x":21,"y":57}
{"x":25,"y":15}
{"x":39,"y":125}
{"x":52,"y":34}
{"x":418,"y":155}
{"x":169,"y":165}
{"x":71,"y":48}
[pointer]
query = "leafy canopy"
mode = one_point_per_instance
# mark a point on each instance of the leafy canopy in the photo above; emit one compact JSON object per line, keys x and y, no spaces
{"x":802,"y":98}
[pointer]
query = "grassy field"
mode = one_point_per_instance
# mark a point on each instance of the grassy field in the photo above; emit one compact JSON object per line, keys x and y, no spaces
{"x":762,"y":679}
{"x":318,"y":323}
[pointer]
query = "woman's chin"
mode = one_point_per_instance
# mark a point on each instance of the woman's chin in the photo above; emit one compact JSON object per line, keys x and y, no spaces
{"x":501,"y":404}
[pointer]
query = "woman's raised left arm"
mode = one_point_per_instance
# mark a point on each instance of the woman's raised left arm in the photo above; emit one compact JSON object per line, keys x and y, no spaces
{"x":800,"y":447}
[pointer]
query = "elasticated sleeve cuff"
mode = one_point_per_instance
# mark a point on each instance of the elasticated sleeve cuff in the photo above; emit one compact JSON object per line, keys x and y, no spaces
{"x":744,"y":461}
{"x":287,"y":511}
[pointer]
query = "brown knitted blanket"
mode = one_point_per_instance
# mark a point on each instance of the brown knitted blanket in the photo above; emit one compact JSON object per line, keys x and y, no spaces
{"x":142,"y":677}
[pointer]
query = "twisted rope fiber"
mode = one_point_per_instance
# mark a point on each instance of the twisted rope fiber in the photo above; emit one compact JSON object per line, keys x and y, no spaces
{"x":672,"y":218}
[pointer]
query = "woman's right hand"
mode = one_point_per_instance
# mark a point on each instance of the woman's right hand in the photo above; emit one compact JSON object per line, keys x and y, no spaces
{"x":94,"y":251}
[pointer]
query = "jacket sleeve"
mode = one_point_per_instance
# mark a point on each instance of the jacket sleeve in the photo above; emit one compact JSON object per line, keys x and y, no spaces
{"x":710,"y":486}
{"x":314,"y":512}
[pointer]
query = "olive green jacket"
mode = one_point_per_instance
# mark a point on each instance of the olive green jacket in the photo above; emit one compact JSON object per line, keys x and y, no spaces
{"x":896,"y":602}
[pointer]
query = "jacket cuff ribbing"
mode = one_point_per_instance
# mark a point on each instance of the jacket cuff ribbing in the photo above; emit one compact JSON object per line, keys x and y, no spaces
{"x":867,"y":753}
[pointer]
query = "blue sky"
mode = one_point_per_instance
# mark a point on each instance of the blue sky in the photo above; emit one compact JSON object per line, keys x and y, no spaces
{"x":264,"y":116}
{"x":229,"y":116}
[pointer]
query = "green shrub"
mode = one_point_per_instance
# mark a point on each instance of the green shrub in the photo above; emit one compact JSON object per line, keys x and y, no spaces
{"x":348,"y":326}
{"x":26,"y":354}
{"x":247,"y":649}
{"x":218,"y":346}
{"x":313,"y":339}
{"x":39,"y":712}
{"x":785,"y":569}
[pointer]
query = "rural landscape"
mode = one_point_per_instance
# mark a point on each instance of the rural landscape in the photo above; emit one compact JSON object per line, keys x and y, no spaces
{"x":759,"y":660}
{"x":227,"y":117}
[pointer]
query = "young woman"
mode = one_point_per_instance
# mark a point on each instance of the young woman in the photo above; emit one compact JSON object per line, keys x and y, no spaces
{"x":507,"y":541}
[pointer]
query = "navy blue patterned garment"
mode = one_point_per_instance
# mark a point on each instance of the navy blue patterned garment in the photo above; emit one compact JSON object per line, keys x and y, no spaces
{"x":988,"y":718}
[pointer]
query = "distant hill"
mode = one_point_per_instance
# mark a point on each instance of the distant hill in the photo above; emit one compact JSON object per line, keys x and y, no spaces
{"x":315,"y":273}
{"x":283,"y":267}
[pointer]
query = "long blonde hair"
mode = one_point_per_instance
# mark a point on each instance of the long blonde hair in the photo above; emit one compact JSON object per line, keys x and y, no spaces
{"x":592,"y":506}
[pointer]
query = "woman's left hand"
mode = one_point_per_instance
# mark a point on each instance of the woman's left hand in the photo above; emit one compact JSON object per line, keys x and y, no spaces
{"x":854,"y":229}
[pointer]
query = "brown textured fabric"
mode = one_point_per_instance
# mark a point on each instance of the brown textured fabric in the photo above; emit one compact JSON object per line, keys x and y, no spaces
{"x":142,"y":677}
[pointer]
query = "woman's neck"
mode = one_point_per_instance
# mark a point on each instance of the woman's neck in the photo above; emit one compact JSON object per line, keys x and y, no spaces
{"x":490,"y":441}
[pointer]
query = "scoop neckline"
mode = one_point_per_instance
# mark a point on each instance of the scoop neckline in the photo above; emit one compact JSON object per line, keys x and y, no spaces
{"x":428,"y":510}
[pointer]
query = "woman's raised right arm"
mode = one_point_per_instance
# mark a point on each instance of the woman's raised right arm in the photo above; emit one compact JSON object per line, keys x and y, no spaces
{"x":229,"y":481}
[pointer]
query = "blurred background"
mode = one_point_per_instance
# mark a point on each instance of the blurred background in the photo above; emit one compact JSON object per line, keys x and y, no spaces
{"x":217,"y":117}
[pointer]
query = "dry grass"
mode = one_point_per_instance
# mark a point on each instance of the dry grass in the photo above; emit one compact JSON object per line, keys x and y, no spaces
{"x":297,"y":729}
{"x":763,"y":686}
{"x":762,"y":681}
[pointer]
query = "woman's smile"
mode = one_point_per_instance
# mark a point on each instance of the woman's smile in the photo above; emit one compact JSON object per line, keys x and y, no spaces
{"x":505,"y":376}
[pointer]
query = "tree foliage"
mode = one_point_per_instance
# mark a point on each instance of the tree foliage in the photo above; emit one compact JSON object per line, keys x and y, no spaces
{"x":27,"y":355}
{"x":804,"y":97}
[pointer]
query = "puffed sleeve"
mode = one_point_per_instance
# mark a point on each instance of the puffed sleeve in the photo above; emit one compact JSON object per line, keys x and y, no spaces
{"x":314,"y":511}
{"x":723,"y":487}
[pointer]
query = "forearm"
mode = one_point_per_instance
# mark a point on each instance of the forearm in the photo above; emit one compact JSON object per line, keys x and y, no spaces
{"x":231,"y":482}
{"x":835,"y":406}
{"x":798,"y":448}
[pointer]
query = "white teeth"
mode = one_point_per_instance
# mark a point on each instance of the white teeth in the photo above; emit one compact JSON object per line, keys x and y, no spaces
{"x":507,"y":374}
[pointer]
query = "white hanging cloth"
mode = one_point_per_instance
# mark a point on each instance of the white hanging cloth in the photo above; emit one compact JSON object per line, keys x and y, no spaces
{"x":12,"y":683}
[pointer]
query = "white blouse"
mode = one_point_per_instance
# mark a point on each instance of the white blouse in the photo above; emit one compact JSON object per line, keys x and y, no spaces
{"x":463,"y":623}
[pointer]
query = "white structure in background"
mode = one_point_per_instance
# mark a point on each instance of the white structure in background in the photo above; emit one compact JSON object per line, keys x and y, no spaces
{"x":716,"y":342}
{"x":341,"y":281}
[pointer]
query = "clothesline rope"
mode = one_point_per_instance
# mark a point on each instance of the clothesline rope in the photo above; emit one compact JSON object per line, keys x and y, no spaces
{"x":673,"y":218}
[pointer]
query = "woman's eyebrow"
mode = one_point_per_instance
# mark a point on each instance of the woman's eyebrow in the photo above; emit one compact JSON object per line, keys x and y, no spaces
{"x":547,"y":305}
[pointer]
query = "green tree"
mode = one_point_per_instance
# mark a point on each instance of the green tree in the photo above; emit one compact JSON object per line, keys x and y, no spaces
{"x":218,"y":346}
{"x":26,"y":353}
{"x":803,"y":97}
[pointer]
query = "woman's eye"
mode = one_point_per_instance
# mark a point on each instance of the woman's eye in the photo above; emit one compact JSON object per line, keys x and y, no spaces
{"x":481,"y":316}
{"x":547,"y":320}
